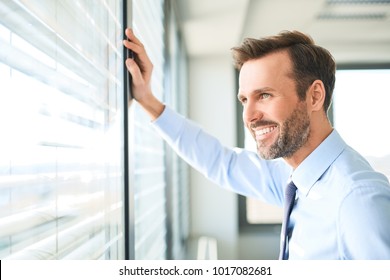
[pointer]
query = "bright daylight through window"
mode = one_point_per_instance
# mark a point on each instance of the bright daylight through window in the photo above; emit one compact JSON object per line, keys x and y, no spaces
{"x":361,"y":113}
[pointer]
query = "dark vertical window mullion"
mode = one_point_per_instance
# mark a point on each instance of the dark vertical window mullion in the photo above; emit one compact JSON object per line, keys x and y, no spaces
{"x":128,"y":191}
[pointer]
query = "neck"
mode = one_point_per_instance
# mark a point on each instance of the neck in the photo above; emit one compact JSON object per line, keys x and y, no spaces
{"x":317,"y":135}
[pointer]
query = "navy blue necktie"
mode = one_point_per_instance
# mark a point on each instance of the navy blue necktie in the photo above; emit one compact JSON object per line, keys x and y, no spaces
{"x":289,"y":199}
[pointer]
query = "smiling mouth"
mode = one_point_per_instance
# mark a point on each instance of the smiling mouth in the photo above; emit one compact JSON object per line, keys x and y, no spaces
{"x":264,"y":131}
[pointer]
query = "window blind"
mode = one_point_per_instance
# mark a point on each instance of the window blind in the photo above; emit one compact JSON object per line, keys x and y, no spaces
{"x":61,"y":164}
{"x":149,"y":180}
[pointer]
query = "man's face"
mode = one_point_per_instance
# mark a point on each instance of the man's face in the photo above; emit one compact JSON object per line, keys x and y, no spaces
{"x":272,"y":112}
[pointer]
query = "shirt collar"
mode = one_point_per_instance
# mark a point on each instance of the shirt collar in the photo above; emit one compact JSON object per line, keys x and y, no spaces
{"x":315,"y":165}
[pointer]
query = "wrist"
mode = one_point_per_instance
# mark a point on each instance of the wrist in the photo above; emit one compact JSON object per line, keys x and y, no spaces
{"x":152,"y":106}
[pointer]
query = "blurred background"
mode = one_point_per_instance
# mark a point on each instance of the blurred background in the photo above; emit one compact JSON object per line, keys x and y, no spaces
{"x":82,"y":173}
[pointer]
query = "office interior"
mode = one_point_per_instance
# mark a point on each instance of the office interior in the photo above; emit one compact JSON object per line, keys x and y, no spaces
{"x":83,"y":174}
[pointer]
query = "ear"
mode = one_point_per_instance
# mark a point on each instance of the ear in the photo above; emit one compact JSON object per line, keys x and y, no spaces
{"x":316,"y":95}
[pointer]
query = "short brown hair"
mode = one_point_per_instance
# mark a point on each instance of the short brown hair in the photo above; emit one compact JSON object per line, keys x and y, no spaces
{"x":310,"y":61}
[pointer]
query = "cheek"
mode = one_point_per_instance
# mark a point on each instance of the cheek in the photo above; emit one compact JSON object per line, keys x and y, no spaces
{"x":279,"y":112}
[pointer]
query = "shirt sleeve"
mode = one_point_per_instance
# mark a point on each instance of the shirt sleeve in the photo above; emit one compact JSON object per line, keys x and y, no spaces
{"x":235,"y":169}
{"x":364,"y":226}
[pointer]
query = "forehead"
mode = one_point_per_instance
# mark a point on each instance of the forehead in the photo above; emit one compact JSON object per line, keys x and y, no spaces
{"x":271,"y":71}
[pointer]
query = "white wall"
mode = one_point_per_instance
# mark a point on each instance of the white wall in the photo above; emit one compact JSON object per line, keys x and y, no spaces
{"x":212,"y":105}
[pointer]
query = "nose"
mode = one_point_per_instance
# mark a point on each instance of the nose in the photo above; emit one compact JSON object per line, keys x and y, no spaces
{"x":251,"y":113}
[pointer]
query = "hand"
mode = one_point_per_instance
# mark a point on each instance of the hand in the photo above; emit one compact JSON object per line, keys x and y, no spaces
{"x":140,"y":68}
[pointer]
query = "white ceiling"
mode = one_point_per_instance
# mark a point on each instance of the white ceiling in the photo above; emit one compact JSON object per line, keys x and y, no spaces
{"x":353,"y":32}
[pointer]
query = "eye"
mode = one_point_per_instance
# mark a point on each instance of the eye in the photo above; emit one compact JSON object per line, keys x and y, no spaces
{"x":242,"y":100}
{"x":265,"y":95}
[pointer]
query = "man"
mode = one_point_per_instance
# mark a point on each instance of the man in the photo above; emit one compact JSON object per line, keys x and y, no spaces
{"x":342,"y":206}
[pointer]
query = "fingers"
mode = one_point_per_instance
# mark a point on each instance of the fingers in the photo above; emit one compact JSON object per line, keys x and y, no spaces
{"x":130,"y":34}
{"x":133,"y":42}
{"x":134,"y":70}
{"x":133,"y":46}
{"x":137,"y":47}
{"x":139,"y":66}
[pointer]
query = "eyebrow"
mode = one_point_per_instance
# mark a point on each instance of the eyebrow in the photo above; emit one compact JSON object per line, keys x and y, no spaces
{"x":256,"y":91}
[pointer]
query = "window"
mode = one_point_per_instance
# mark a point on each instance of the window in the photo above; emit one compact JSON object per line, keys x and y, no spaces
{"x":178,"y":171}
{"x":82,"y":176}
{"x":61,"y":117}
{"x":159,"y":177}
{"x":150,"y":215}
{"x":361,"y":112}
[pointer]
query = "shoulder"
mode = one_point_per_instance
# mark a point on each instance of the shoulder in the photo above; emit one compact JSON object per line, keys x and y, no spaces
{"x":357,"y":171}
{"x":365,"y":196}
{"x":359,"y":186}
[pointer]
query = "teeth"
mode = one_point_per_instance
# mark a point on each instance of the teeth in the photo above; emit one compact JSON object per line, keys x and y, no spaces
{"x":264,"y":130}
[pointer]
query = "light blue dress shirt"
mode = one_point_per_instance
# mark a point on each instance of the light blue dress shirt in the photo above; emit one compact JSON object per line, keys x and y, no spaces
{"x":342,"y":207}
